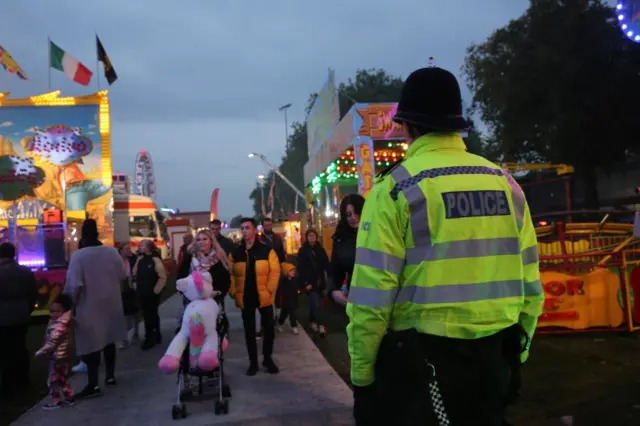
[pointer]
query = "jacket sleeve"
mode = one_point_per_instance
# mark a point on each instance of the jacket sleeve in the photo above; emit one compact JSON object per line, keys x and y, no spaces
{"x":380,"y":254}
{"x":533,"y":293}
{"x":337,"y":271}
{"x":32,"y":290}
{"x":75,"y":278}
{"x":162,"y":275}
{"x":232,"y":278}
{"x":183,"y":269}
{"x":220,"y":278}
{"x":54,"y":340}
{"x":274,"y":272}
{"x":180,"y":258}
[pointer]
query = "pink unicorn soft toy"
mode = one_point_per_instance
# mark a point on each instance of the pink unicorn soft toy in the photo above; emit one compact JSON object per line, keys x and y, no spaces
{"x":198,"y":327}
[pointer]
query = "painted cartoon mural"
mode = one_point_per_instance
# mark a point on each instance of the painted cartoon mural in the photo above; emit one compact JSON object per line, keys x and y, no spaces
{"x":55,"y":171}
{"x":51,"y":158}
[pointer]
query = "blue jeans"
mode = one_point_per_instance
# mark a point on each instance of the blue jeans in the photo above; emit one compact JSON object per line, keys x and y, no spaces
{"x":315,"y":315}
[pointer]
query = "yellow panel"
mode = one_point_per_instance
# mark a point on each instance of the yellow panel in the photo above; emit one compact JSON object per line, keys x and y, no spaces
{"x":76,"y":214}
{"x":27,"y":222}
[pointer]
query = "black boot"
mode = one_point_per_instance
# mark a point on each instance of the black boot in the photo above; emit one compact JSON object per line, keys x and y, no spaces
{"x":148,"y":344}
{"x":271,"y":366}
{"x":253,"y":369}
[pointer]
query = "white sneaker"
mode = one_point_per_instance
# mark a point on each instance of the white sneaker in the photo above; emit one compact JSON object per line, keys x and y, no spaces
{"x":123,"y":345}
{"x":314,"y":327}
{"x":81,"y":367}
{"x":280,"y":329}
{"x":294,"y":330}
{"x":321,"y":330}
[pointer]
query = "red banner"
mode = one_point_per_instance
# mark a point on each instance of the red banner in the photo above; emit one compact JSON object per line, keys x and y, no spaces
{"x":214,"y":203}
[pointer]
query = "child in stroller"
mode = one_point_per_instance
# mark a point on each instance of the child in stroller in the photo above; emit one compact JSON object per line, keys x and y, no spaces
{"x":186,"y":371}
{"x":205,"y":255}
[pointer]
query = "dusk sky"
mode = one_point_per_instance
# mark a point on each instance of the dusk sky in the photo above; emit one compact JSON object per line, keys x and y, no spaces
{"x":200,"y":82}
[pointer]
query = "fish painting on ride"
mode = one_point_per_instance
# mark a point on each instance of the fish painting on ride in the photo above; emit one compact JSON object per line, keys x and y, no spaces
{"x":59,"y":145}
{"x":18,"y":177}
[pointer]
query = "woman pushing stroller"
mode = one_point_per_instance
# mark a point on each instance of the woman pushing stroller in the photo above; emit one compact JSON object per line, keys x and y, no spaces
{"x":203,"y":274}
{"x":205,"y":254}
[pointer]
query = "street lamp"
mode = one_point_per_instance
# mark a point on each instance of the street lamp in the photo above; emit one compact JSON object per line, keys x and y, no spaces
{"x":278,"y":172}
{"x":286,"y":122}
{"x":261,"y":178}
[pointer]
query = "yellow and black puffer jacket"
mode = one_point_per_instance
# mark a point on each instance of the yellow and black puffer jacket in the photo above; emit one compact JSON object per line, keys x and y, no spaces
{"x":267,"y":269}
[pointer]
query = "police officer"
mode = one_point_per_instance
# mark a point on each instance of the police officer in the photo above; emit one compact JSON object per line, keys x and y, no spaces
{"x":446,"y":290}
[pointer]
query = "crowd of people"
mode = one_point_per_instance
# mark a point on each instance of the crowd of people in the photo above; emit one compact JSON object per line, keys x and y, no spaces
{"x":442,"y":293}
{"x":102,"y":314}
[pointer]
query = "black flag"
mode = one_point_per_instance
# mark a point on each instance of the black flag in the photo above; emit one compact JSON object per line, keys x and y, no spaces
{"x":109,"y":72}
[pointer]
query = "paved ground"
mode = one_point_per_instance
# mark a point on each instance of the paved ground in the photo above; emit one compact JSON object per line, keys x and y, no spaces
{"x":306,"y":392}
{"x":593,"y":379}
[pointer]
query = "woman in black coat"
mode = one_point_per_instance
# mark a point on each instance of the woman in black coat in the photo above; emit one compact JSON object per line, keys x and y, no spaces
{"x":343,"y":254}
{"x":312,"y":267}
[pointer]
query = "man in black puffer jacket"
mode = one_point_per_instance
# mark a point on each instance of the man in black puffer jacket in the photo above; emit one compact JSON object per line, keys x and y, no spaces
{"x":18,"y":293}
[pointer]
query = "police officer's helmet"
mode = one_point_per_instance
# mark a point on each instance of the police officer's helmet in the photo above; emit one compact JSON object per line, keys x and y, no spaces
{"x":431,"y":98}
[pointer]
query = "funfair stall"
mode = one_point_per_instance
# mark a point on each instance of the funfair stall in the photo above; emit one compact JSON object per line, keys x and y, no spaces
{"x":365,"y":142}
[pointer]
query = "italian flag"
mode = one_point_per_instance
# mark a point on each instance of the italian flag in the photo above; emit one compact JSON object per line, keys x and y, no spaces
{"x":62,"y":61}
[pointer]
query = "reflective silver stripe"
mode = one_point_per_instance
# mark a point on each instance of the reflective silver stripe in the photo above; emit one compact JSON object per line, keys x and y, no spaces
{"x":417,"y":206}
{"x":379,"y":260}
{"x":463,"y":249}
{"x":519,"y":204}
{"x":400,"y":173}
{"x":530,"y":255}
{"x":372,"y":297}
{"x":456,"y":293}
{"x":533,"y":288}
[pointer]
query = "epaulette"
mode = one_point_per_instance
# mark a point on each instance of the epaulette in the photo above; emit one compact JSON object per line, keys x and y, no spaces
{"x":380,"y":176}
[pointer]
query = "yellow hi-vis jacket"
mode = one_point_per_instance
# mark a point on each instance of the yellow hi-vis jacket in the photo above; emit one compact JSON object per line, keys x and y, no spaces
{"x":446,"y":245}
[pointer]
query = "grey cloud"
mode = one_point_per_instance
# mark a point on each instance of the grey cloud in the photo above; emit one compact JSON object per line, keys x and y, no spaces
{"x":200,"y":82}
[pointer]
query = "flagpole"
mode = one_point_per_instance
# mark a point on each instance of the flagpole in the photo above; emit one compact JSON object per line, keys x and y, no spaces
{"x":97,"y":64}
{"x":49,"y":64}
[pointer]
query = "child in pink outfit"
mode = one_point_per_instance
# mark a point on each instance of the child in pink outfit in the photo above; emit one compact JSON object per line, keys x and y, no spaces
{"x":57,"y":347}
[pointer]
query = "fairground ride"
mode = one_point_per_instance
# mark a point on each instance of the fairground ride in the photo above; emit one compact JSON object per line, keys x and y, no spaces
{"x":145,"y":181}
{"x":589,"y":264}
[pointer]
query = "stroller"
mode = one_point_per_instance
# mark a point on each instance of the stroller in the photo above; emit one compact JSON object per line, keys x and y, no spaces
{"x":220,"y":385}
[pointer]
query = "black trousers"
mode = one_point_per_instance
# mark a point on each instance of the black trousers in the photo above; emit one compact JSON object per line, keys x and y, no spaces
{"x":286,"y":312}
{"x":93,"y":364}
{"x":14,"y":357}
{"x":149,"y":304}
{"x":474,"y":378}
{"x":267,"y":323}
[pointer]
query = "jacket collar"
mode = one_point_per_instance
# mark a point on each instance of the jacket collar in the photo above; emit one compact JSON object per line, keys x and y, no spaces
{"x":436,"y":142}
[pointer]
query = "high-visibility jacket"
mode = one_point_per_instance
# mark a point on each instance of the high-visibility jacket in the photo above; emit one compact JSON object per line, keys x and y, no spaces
{"x":446,"y":245}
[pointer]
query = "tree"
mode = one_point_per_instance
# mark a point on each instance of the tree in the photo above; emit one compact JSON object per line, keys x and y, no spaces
{"x":372,"y":85}
{"x":235,"y":221}
{"x":559,"y":84}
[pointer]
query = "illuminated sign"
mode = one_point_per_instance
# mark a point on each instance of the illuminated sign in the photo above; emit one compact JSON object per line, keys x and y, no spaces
{"x":363,"y":149}
{"x":378,"y":122}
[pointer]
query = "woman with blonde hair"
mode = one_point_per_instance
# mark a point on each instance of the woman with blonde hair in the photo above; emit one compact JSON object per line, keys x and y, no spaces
{"x":206,"y":254}
{"x":150,"y":277}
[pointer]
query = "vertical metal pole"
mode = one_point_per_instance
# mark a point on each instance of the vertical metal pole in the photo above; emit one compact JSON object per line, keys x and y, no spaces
{"x":97,"y":64}
{"x":286,"y":127}
{"x":49,"y":64}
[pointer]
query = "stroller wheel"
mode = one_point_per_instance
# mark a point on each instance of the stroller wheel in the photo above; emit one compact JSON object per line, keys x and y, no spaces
{"x":178,"y":411}
{"x":222,"y":407}
{"x":226,"y":391}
